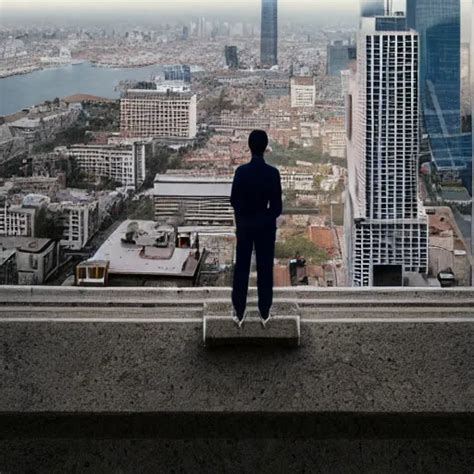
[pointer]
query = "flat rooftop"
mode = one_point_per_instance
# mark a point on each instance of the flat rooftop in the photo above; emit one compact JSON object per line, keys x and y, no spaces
{"x":187,"y":186}
{"x":25,"y":244}
{"x":127,"y":259}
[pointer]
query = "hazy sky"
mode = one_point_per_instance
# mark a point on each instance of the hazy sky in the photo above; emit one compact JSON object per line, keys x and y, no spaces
{"x":174,"y":6}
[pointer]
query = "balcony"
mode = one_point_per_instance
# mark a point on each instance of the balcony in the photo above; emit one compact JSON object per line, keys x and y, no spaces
{"x":119,"y":380}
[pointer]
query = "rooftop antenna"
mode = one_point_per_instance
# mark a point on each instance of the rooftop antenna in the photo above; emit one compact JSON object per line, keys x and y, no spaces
{"x":388,"y":7}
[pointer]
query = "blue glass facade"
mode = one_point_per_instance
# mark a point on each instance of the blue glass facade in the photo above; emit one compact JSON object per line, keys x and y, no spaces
{"x":339,"y":56}
{"x":438,"y":23}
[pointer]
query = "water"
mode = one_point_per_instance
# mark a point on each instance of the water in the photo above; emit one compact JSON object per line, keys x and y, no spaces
{"x":18,"y":92}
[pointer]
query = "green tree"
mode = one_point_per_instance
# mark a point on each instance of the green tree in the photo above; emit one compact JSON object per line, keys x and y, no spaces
{"x":300,"y":244}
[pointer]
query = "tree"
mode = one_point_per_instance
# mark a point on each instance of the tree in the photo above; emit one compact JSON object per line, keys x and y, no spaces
{"x":300,"y":244}
{"x":48,"y":224}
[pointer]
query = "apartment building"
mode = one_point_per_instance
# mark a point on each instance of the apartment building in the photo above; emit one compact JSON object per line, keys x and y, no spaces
{"x":150,"y":113}
{"x":124,"y":163}
{"x":36,"y":259}
{"x":387,"y":233}
{"x":193,"y":201}
{"x":303,"y":91}
{"x":16,"y":221}
{"x":81,"y":221}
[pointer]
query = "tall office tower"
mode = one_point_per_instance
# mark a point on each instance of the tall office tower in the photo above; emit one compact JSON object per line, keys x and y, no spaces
{"x":339,"y":56}
{"x":269,"y":34}
{"x":149,"y":113}
{"x":369,"y":8}
{"x":438,"y":22}
{"x":231,"y":57}
{"x":387,"y":231}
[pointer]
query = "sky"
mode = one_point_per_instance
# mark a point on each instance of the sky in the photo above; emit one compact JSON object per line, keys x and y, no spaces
{"x":196,"y":7}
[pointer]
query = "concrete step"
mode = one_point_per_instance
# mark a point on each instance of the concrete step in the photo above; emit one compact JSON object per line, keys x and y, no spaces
{"x":282,"y":329}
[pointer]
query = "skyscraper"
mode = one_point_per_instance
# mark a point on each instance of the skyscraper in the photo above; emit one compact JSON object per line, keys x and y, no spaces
{"x":387,"y":231}
{"x":269,"y":34}
{"x":438,"y":22}
{"x":339,"y":56}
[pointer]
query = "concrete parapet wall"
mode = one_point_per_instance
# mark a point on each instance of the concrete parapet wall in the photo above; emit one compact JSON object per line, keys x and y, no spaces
{"x":411,"y":354}
{"x":68,"y":352}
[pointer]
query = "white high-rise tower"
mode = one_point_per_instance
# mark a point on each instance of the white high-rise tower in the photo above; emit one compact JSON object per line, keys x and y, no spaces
{"x":386,"y":226}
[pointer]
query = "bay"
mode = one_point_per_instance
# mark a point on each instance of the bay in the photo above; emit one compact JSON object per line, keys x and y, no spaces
{"x":22,"y":91}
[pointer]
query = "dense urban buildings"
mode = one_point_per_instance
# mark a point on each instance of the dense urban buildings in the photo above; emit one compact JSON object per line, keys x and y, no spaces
{"x":269,"y":34}
{"x":386,"y":226}
{"x":148,"y":113}
{"x":123,"y":163}
{"x":340,"y":55}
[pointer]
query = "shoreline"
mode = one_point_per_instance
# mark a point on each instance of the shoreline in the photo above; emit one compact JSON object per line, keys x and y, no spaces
{"x":123,"y":66}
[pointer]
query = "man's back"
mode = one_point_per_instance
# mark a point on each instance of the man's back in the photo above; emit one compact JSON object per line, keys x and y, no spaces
{"x":256,"y":193}
{"x":256,"y":199}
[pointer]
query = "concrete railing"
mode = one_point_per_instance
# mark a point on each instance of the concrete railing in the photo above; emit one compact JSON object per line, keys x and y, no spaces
{"x":112,"y":354}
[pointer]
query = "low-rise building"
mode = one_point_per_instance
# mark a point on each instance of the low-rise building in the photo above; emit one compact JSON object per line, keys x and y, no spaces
{"x":16,"y":221}
{"x":144,"y":253}
{"x":81,"y":221}
{"x":124,"y":163}
{"x":193,"y":200}
{"x":38,"y":184}
{"x":36,"y":259}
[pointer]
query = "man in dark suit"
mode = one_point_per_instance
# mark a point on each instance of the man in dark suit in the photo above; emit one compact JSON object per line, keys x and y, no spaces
{"x":256,"y":199}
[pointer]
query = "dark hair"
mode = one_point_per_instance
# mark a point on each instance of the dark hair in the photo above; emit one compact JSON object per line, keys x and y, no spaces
{"x":258,"y":142}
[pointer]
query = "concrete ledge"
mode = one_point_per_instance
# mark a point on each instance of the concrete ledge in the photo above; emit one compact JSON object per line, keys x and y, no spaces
{"x":118,"y":381}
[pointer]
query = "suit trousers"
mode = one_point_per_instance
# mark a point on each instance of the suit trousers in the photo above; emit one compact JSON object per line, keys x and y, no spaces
{"x":262,"y":238}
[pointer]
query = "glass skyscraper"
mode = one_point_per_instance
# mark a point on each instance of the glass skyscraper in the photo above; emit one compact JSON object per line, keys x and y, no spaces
{"x":269,"y":34}
{"x":438,"y":23}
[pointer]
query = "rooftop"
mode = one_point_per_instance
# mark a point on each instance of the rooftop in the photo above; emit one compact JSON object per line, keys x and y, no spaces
{"x":25,"y":244}
{"x":130,"y":259}
{"x":186,"y":186}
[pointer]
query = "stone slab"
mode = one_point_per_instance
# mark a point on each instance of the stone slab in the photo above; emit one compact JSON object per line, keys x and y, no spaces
{"x":280,"y":330}
{"x":220,"y":330}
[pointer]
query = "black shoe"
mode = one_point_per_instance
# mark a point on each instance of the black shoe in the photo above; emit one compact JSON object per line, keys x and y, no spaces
{"x":264,"y":318}
{"x":238,"y":318}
